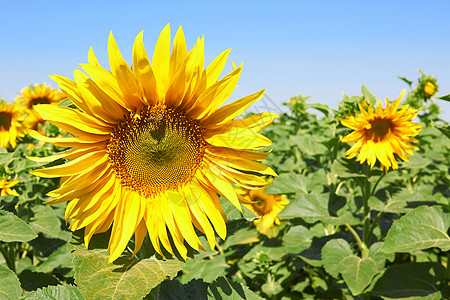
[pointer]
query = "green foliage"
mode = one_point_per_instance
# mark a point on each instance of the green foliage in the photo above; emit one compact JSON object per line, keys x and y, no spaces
{"x":347,"y":232}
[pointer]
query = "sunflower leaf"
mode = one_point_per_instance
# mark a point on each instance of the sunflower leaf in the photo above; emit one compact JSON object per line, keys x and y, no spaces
{"x":224,"y":288}
{"x":410,"y":280}
{"x":65,"y":291}
{"x":13,"y":229}
{"x":125,"y":278}
{"x":9,"y":284}
{"x":422,"y":228}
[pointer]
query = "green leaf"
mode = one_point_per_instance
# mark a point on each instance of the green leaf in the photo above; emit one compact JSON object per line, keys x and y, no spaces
{"x":370,"y":99}
{"x":224,"y":288}
{"x":308,"y":144}
{"x":31,"y":281}
{"x":379,"y":256}
{"x":333,"y":253}
{"x":60,"y":258}
{"x":445,"y":98}
{"x":123,"y":279}
{"x":45,"y":221}
{"x":9,"y":284}
{"x":288,"y":183}
{"x":174,"y":290}
{"x":409,"y":82}
{"x":410,"y":280}
{"x":338,"y":257}
{"x":244,"y":236}
{"x":313,"y":208}
{"x":6,"y":158}
{"x":323,"y":108}
{"x":66,"y":292}
{"x":422,"y":228}
{"x":13,"y":229}
{"x":206,"y":269}
{"x":444,"y":129}
{"x":358,"y":273}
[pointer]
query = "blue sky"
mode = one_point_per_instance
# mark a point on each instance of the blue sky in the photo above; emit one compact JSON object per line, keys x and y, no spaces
{"x":317,"y":48}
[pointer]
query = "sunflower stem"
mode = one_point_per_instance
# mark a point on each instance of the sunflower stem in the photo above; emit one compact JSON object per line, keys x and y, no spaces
{"x":361,"y":245}
{"x":366,"y":221}
{"x":8,"y":254}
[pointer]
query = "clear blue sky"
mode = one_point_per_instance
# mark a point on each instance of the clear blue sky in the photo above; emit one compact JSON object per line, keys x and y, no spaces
{"x":317,"y":48}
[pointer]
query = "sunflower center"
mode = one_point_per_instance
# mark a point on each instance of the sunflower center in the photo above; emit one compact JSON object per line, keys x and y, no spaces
{"x":156,"y":149}
{"x":263,"y":203}
{"x":36,"y":101}
{"x":378,"y":129}
{"x":5,"y":121}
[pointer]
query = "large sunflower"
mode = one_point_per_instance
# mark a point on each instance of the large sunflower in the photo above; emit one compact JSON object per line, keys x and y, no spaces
{"x":152,"y":148}
{"x":11,"y":127}
{"x":381,"y":134}
{"x":34,"y":95}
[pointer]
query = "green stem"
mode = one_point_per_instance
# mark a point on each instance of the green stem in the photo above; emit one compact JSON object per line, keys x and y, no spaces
{"x":366,"y":195}
{"x":8,"y":254}
{"x":447,"y":272}
{"x":376,"y":184}
{"x":361,"y":245}
{"x":374,"y":224}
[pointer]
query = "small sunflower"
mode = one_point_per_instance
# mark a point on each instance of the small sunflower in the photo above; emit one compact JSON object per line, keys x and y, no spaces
{"x":381,"y":134}
{"x":152,"y":147}
{"x":31,"y":96}
{"x":429,"y":89}
{"x":5,"y":187}
{"x":11,"y":127}
{"x":266,"y":206}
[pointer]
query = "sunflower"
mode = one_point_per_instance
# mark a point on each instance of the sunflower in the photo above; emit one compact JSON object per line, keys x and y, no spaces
{"x":266,"y":206}
{"x":11,"y":127}
{"x":31,"y":96}
{"x":151,"y":147}
{"x":5,"y":187}
{"x":381,"y":134}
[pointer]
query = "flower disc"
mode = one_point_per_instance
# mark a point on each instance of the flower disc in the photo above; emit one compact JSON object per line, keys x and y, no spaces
{"x":156,"y":149}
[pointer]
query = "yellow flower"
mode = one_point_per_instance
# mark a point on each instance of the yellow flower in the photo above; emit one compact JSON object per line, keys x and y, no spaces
{"x":152,"y":148}
{"x":10,"y":124}
{"x":266,"y":206}
{"x":34,"y":95}
{"x":429,"y":89}
{"x":381,"y":134}
{"x":5,"y":187}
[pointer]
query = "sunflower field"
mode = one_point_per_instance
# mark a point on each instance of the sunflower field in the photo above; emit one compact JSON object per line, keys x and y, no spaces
{"x":137,"y":182}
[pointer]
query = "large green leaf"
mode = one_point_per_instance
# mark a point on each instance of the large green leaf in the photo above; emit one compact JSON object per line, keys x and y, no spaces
{"x":410,"y":280}
{"x":45,"y":221}
{"x":60,"y":258}
{"x":308,"y":144}
{"x":9,"y":284}
{"x":422,"y":228}
{"x":13,"y":229}
{"x":66,"y":292}
{"x":206,"y":269}
{"x":333,"y":253}
{"x":288,"y":183}
{"x":6,"y":158}
{"x":175,"y":290}
{"x":125,"y":278}
{"x":224,"y":288}
{"x":31,"y":280}
{"x":357,"y":272}
{"x":313,"y":208}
